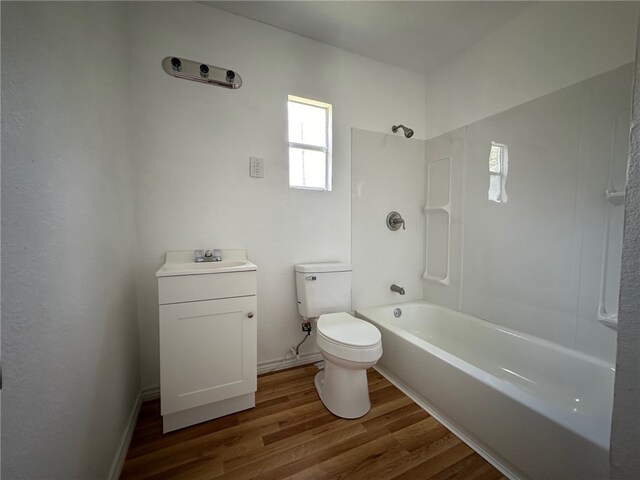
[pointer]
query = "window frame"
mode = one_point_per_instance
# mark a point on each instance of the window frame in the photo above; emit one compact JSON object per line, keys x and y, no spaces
{"x":304,"y":146}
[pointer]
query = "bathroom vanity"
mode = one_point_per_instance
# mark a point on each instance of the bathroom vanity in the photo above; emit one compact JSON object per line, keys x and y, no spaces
{"x":208,"y":331}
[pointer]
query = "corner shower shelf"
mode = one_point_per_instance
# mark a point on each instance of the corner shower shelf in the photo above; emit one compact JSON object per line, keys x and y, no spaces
{"x":617,"y":198}
{"x":610,"y":321}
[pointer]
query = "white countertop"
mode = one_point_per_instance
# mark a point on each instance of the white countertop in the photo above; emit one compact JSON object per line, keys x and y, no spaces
{"x":182,"y":263}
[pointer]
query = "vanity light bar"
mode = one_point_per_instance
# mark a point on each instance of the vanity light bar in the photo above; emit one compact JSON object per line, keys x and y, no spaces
{"x":201,"y":72}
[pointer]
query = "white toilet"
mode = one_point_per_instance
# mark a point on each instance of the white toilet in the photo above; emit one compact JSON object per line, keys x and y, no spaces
{"x":348,"y":345}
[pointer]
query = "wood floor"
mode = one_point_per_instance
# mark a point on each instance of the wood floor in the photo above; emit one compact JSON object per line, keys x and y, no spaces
{"x":291,"y":435}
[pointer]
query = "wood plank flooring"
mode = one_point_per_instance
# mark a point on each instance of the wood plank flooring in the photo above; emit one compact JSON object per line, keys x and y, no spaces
{"x":290,"y":435}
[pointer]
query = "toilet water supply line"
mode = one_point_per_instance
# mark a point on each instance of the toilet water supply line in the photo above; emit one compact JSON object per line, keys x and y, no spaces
{"x":296,"y":350}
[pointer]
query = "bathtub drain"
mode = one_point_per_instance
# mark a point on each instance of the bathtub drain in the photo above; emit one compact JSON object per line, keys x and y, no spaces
{"x":397,"y":312}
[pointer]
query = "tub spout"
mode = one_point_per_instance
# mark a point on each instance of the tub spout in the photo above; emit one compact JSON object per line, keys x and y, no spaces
{"x":397,"y":289}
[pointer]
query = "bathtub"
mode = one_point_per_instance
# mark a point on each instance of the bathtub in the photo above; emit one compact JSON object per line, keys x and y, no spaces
{"x":532,"y":408}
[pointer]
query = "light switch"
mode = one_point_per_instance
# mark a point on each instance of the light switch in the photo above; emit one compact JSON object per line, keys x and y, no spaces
{"x":256,"y":167}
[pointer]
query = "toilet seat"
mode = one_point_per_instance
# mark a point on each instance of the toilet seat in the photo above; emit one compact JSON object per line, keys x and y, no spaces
{"x":347,"y":330}
{"x":349,"y":338}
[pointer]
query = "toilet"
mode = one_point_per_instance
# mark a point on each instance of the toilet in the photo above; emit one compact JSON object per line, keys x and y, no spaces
{"x":348,"y":345}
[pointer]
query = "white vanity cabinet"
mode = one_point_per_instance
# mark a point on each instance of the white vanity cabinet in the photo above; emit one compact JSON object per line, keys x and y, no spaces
{"x":208,"y":332}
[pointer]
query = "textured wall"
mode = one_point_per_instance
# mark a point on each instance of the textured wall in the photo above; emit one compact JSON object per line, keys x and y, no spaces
{"x":69,"y":336}
{"x":193,"y":143}
{"x":625,"y":430}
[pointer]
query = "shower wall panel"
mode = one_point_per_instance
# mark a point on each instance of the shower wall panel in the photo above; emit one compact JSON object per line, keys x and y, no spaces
{"x":387,"y":175}
{"x":443,"y":180}
{"x":541,"y":256}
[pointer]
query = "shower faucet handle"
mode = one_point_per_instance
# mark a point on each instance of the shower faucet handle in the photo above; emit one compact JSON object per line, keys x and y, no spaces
{"x":397,"y":221}
{"x":394,"y":220}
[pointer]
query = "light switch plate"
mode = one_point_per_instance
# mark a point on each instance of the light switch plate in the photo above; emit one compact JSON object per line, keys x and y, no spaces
{"x":256,"y":167}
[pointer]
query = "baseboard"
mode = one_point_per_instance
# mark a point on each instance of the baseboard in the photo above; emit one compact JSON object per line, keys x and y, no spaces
{"x":151,"y":393}
{"x":121,"y":454}
{"x":274,"y":365}
{"x":426,"y":406}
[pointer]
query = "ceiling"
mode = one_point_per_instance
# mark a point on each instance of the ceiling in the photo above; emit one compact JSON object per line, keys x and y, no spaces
{"x":418,"y":35}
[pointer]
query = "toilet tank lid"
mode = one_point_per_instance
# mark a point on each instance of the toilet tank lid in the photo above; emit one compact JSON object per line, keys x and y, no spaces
{"x":323,"y":267}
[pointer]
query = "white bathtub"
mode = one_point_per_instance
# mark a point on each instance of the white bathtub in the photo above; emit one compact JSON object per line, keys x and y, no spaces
{"x":533,"y":408}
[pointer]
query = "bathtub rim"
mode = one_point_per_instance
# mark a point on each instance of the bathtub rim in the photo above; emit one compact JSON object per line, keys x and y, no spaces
{"x":509,"y":331}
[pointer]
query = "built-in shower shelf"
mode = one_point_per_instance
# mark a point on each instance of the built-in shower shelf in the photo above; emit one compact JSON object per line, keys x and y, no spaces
{"x":610,"y":321}
{"x":617,"y":198}
{"x":438,"y":221}
{"x":445,"y":209}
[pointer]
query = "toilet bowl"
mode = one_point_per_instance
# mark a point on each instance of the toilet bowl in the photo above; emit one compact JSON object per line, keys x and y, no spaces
{"x":349,"y":346}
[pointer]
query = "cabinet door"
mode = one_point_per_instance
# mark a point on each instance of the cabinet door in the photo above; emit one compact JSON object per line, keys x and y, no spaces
{"x":207,"y":352}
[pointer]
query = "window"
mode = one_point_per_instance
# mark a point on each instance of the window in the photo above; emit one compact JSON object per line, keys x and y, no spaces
{"x":498,"y":169}
{"x":309,"y":144}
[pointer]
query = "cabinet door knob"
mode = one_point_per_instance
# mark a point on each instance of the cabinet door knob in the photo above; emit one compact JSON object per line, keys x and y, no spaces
{"x":250,"y":314}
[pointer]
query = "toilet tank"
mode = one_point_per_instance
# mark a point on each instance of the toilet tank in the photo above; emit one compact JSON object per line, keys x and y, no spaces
{"x":323,"y":288}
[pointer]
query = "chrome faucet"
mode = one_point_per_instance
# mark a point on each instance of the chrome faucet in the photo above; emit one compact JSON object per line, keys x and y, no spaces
{"x":397,"y":289}
{"x":214,"y":255}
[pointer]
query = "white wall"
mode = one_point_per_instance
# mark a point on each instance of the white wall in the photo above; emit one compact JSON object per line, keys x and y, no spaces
{"x":193,"y":143}
{"x":387,"y":175}
{"x":549,"y":46}
{"x":70,"y":337}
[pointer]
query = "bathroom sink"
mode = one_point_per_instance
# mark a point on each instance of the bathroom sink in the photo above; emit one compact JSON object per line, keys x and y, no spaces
{"x":182,"y":263}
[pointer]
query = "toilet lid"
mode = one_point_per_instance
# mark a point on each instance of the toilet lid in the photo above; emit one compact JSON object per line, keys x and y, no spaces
{"x":348,"y":330}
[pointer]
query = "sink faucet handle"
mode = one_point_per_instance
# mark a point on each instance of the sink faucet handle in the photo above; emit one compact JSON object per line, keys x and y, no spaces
{"x":198,"y":256}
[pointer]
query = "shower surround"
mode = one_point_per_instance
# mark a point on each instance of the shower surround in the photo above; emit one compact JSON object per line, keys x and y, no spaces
{"x":519,"y":220}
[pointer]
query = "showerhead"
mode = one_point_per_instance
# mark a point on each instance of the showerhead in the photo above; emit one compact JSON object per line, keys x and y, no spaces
{"x":407,"y":131}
